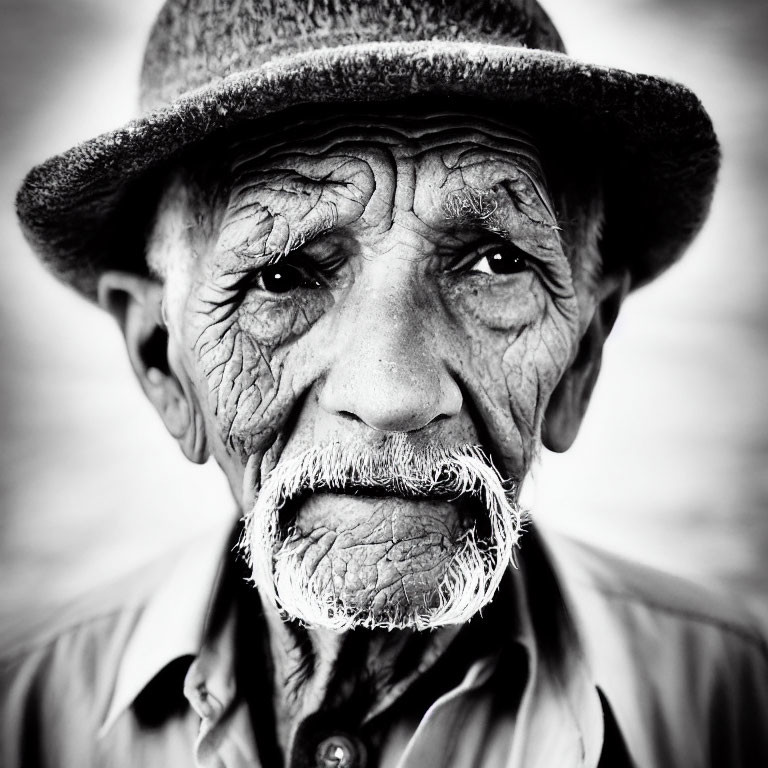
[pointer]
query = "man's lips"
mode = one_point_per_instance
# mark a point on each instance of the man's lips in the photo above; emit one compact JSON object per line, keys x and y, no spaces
{"x":364,"y":506}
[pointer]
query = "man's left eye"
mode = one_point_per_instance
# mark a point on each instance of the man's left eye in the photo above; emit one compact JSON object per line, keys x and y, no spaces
{"x":502,"y":259}
{"x":283,"y":277}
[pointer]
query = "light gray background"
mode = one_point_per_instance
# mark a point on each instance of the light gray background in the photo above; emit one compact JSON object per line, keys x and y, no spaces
{"x":670,"y":467}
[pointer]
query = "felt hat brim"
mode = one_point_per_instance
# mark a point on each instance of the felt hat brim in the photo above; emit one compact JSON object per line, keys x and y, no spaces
{"x":82,"y":213}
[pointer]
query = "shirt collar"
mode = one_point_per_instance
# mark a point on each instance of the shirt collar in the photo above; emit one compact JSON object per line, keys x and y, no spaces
{"x":172,"y":624}
{"x":561,"y":687}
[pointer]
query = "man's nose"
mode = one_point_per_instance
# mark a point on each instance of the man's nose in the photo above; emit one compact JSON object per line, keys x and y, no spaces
{"x":389,"y":371}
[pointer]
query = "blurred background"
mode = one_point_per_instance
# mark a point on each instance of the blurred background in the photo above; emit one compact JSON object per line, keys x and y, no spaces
{"x":670,"y":467}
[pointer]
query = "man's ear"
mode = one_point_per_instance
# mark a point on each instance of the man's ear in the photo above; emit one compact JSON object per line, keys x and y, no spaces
{"x":569,"y":401}
{"x":136,"y":303}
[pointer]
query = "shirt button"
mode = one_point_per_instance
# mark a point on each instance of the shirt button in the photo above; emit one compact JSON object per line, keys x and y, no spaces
{"x":339,"y":751}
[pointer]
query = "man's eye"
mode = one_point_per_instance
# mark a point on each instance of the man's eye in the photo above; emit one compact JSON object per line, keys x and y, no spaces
{"x":503,"y":259}
{"x":283,"y":277}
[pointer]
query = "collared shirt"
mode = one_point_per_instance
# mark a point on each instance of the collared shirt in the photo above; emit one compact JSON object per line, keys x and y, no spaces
{"x":599,"y":657}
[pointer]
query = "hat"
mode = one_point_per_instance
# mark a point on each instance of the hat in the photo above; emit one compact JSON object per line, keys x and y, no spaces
{"x":210,"y":65}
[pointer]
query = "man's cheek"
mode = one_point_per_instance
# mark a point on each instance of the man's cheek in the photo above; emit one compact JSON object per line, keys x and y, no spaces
{"x":239,"y":377}
{"x":532,"y":365}
{"x":518,"y":356}
{"x":240,"y":359}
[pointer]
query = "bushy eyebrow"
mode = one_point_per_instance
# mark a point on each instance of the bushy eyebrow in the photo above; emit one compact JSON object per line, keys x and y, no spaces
{"x":480,"y":206}
{"x":470,"y":205}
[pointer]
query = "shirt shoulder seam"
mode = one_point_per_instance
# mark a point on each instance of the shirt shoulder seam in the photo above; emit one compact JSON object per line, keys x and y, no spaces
{"x":748,"y":632}
{"x":46,"y":641}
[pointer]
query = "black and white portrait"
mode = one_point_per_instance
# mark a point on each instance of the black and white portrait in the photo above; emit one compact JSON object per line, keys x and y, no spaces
{"x":383,"y":384}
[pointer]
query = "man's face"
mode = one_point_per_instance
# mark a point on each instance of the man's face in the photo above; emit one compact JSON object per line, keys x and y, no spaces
{"x":377,"y":290}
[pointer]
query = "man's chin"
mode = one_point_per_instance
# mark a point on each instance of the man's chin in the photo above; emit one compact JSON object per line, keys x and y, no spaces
{"x":353,"y":562}
{"x":327,"y":612}
{"x":319,"y":607}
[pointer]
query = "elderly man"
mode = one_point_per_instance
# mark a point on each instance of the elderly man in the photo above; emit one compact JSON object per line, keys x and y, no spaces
{"x":366,"y":254}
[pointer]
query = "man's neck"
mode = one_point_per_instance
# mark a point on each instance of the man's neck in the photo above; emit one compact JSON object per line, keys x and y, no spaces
{"x":360,"y":672}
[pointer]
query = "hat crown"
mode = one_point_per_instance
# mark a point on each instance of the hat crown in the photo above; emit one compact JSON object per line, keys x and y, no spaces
{"x":195,"y":43}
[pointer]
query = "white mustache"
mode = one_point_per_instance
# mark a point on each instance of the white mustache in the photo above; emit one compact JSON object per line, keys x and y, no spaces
{"x":397,"y":468}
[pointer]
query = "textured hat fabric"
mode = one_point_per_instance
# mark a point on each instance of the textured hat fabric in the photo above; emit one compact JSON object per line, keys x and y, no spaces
{"x":212,"y":64}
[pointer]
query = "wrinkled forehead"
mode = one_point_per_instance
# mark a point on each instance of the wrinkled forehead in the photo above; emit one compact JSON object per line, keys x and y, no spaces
{"x":469,"y":144}
{"x":406,"y":128}
{"x":367,"y":172}
{"x":402,"y":129}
